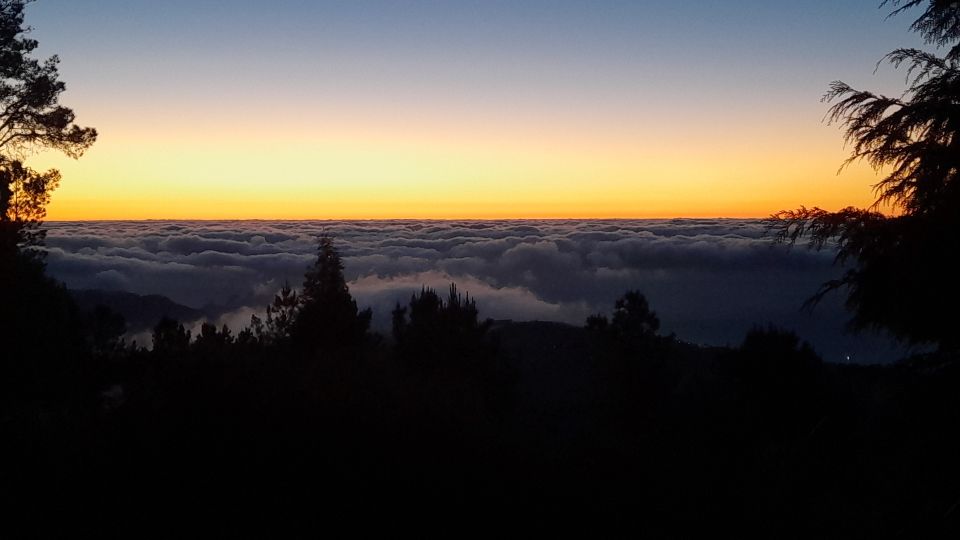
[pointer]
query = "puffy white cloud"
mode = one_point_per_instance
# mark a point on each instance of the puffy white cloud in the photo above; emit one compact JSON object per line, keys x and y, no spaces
{"x":708,"y":279}
{"x":383,"y":294}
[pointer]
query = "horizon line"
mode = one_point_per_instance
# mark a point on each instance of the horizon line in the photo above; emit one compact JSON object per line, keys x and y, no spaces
{"x":659,"y":218}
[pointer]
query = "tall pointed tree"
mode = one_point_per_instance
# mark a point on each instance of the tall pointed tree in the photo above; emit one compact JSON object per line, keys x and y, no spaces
{"x":327,"y":318}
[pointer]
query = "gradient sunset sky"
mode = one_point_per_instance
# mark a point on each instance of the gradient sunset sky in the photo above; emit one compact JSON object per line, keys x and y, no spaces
{"x":459,"y":109}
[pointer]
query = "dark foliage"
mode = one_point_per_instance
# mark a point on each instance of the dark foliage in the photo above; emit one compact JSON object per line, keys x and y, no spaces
{"x":30,"y":115}
{"x":41,"y":330}
{"x":326,"y":315}
{"x":281,"y":315}
{"x":437,"y":334}
{"x":30,"y":118}
{"x":611,"y":428}
{"x":633,"y":327}
{"x":104,"y":331}
{"x":896,"y":276}
{"x":43,"y":355}
{"x":24,"y":195}
{"x":170,"y":338}
{"x":450,"y":360}
{"x":780,"y":382}
{"x":938,"y":24}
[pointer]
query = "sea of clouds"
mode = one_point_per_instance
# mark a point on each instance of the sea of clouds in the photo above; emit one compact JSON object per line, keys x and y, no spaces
{"x":709,"y":280}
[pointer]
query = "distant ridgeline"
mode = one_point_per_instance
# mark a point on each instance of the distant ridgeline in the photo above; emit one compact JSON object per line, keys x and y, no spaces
{"x":139,"y":312}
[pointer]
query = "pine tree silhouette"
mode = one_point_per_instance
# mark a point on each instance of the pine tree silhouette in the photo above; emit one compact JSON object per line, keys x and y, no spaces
{"x":327,"y":317}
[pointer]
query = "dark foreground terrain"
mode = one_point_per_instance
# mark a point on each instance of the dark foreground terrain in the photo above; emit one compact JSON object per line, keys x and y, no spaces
{"x":307,"y":423}
{"x":563,"y":428}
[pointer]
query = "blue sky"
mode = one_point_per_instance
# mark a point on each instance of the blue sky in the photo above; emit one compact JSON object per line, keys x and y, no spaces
{"x":659,"y":102}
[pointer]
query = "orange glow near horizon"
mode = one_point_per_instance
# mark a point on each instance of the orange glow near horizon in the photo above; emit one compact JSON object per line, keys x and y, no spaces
{"x":342,"y":110}
{"x":379,"y":172}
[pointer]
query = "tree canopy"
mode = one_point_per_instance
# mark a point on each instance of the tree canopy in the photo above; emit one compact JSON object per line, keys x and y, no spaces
{"x":31,"y":119}
{"x":896,"y":277}
{"x":326,"y":313}
{"x":438,"y":333}
{"x":30,"y":114}
{"x":40,"y":326}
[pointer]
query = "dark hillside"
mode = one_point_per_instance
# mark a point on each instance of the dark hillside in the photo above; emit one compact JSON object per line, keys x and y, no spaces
{"x":140,"y":312}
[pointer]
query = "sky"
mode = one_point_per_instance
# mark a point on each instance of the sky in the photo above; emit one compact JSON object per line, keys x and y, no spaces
{"x":296,"y":109}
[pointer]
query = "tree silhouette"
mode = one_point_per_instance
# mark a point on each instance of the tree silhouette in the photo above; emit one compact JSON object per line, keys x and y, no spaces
{"x":281,"y":314}
{"x":779,"y":380}
{"x":39,"y":322}
{"x":24,"y":195}
{"x":29,"y":89}
{"x":440,"y":333}
{"x":30,"y":119}
{"x":634,"y":325}
{"x":104,"y":329}
{"x":170,"y":338}
{"x":211,"y":340}
{"x":327,"y":317}
{"x":448,"y":350}
{"x":897,"y":278}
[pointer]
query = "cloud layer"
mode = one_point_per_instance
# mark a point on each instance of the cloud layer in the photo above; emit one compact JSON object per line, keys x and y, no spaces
{"x":709,"y":280}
